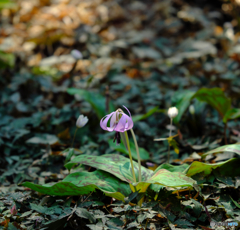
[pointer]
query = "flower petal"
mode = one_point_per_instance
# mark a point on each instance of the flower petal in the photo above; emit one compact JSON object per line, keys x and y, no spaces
{"x":113,"y":119}
{"x":127,"y":110}
{"x":129,"y":123}
{"x":121,"y":124}
{"x":104,"y":121}
{"x":125,"y":123}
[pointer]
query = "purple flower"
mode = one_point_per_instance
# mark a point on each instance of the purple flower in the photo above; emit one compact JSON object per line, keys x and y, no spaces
{"x":119,"y":122}
{"x":13,"y":210}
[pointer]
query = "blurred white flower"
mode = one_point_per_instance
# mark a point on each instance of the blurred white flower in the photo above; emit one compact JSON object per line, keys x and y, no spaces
{"x":172,"y":112}
{"x":81,"y":121}
{"x":191,"y":109}
{"x":76,"y":54}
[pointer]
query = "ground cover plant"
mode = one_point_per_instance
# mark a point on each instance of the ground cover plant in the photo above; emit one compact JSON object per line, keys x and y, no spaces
{"x":119,"y":115}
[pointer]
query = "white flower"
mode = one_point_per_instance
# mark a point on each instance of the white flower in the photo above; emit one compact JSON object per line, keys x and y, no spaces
{"x":172,"y":112}
{"x":81,"y":121}
{"x":191,"y":109}
{"x":76,"y":54}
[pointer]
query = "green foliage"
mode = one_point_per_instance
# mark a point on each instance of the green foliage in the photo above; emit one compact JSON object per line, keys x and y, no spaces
{"x":111,"y":163}
{"x":214,"y":97}
{"x":121,"y":148}
{"x":80,"y":183}
{"x":6,"y":59}
{"x":146,"y":71}
{"x":235,"y":148}
{"x":7,"y":4}
{"x":146,"y":115}
{"x":181,"y":100}
{"x":231,"y":114}
{"x":200,"y":167}
{"x":96,"y":100}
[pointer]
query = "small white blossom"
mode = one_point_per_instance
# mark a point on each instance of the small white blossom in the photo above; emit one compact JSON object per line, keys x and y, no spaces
{"x":76,"y":54}
{"x":191,"y":109}
{"x":172,"y":112}
{"x":81,"y":121}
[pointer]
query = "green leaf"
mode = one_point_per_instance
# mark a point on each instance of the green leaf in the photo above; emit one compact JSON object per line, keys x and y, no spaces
{"x":96,"y":100}
{"x":7,"y":4}
{"x":197,"y":207}
{"x":199,"y":167}
{"x":69,"y":153}
{"x":235,"y":202}
{"x":173,"y":168}
{"x":231,"y":114}
{"x":235,"y":148}
{"x":214,"y":97}
{"x":166,"y":178}
{"x":38,"y":208}
{"x":181,"y":99}
{"x":144,"y":155}
{"x":6,"y":59}
{"x":80,"y":183}
{"x":144,"y":116}
{"x":119,"y":166}
{"x":111,"y":163}
{"x":11,"y":227}
{"x":183,"y":223}
{"x":82,"y":212}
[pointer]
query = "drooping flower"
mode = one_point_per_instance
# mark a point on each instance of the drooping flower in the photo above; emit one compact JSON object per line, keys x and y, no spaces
{"x":172,"y":112}
{"x":81,"y":121}
{"x":119,"y":122}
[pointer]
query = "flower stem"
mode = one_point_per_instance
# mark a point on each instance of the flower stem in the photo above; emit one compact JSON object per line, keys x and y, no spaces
{"x":130,"y":156}
{"x":74,"y":137}
{"x":139,"y":159}
{"x":170,"y":134}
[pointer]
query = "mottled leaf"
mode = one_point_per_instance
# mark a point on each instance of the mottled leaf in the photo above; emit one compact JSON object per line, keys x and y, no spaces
{"x":112,"y":163}
{"x":80,"y":183}
{"x":235,"y":148}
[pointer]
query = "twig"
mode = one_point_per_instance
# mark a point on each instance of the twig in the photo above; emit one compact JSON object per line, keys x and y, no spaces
{"x":209,"y":217}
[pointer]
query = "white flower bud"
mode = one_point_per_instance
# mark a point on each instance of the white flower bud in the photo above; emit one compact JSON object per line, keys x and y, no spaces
{"x":172,"y":112}
{"x":191,"y":109}
{"x":76,"y":54}
{"x":81,"y":121}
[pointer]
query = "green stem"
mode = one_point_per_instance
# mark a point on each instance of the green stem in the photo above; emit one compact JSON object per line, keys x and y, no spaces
{"x":74,"y":137}
{"x":225,"y":133}
{"x":130,"y":156}
{"x":139,"y":159}
{"x":170,"y":134}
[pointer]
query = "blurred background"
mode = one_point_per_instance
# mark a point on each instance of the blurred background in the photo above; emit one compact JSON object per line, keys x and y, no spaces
{"x":63,"y":58}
